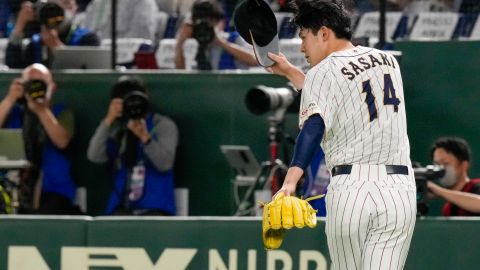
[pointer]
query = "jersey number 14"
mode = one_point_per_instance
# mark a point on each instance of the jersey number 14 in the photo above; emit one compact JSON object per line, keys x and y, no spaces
{"x":389,"y":97}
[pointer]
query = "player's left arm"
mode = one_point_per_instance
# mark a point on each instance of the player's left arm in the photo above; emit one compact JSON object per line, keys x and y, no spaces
{"x":307,"y":140}
{"x":465,"y":200}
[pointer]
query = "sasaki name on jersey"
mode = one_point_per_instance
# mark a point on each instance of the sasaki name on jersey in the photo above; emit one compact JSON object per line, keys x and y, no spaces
{"x":365,"y":62}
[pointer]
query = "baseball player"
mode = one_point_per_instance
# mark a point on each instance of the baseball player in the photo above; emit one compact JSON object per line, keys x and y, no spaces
{"x":352,"y":102}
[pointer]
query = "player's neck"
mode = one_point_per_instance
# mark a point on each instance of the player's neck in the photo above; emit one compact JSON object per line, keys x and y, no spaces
{"x":340,"y":45}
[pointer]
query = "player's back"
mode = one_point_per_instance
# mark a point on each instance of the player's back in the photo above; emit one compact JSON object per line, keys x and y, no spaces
{"x":364,"y":111}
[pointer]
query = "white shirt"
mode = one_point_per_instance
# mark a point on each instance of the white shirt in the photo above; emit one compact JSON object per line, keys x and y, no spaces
{"x":340,"y":89}
{"x":135,"y":19}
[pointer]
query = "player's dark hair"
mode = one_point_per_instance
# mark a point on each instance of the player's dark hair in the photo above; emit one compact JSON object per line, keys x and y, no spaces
{"x":207,"y":9}
{"x":453,"y":145}
{"x":126,"y":84}
{"x":313,"y":14}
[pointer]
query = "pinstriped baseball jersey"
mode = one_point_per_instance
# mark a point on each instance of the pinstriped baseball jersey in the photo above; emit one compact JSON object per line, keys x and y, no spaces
{"x":359,"y":94}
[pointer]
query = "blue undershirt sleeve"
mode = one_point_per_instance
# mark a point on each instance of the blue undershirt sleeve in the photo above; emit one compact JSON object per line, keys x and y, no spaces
{"x":308,"y":141}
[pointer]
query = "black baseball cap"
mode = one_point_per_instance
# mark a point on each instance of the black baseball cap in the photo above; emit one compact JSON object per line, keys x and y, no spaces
{"x":256,"y":23}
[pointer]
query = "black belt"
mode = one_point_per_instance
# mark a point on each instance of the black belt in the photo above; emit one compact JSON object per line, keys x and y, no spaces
{"x":391,"y":169}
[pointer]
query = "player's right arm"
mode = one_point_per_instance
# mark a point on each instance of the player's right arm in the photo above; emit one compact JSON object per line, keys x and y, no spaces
{"x":284,"y":68}
{"x":309,"y":137}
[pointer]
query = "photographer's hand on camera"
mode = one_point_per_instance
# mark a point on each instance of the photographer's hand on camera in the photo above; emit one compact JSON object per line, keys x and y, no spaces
{"x":14,"y":93}
{"x":115,"y":110}
{"x":139,"y":129}
{"x":50,"y":38}
{"x":39,"y":106}
{"x":26,"y":14}
{"x":16,"y":90}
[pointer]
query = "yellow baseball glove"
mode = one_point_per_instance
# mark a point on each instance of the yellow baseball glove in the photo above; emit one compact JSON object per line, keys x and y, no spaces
{"x":283,"y":213}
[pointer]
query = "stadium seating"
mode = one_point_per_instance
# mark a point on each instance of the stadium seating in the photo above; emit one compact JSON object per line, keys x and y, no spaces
{"x":162,"y":20}
{"x":165,"y":54}
{"x":465,"y":25}
{"x":126,"y":48}
{"x":291,"y":49}
{"x":3,"y":47}
{"x":475,"y":34}
{"x":432,"y":26}
{"x":171,"y":28}
{"x":287,"y":29}
{"x":368,"y":26}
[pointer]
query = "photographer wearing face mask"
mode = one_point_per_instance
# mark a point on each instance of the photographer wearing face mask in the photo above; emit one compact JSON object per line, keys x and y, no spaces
{"x":54,"y":19}
{"x":47,"y":131}
{"x":216,"y":48}
{"x":140,"y":148}
{"x":461,"y":193}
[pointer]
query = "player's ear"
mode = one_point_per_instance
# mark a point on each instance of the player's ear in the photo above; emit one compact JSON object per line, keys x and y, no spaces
{"x":323,"y":33}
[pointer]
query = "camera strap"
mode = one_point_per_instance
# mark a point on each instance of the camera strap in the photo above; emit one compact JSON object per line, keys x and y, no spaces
{"x":203,"y":61}
{"x":34,"y":137}
{"x":70,"y":34}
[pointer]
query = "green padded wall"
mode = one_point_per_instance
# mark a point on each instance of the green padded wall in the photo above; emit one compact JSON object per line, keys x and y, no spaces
{"x":209,"y":111}
{"x":207,"y":243}
{"x":442,"y":91}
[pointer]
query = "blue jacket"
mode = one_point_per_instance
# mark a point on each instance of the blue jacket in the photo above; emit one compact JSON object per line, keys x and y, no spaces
{"x":55,"y":164}
{"x":158,"y":186}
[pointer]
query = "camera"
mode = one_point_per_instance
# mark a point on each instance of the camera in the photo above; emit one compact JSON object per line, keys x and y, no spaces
{"x":205,"y":14}
{"x":261,"y":99}
{"x":422,"y":175}
{"x":203,"y":31}
{"x":36,"y":89}
{"x":135,"y":105}
{"x":429,"y":172}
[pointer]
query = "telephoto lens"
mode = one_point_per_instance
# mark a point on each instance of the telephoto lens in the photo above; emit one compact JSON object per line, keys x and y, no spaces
{"x":135,"y":105}
{"x":203,"y":32}
{"x":36,"y":89}
{"x":262,"y":99}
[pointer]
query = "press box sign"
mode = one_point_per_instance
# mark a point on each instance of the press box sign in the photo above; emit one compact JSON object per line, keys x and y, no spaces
{"x":437,"y":26}
{"x":369,"y":25}
{"x":83,"y":258}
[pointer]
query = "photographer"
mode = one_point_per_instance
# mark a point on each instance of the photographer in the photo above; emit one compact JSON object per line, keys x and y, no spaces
{"x":140,"y":147}
{"x":56,"y":30}
{"x":461,"y":193}
{"x":47,"y":132}
{"x":216,"y":49}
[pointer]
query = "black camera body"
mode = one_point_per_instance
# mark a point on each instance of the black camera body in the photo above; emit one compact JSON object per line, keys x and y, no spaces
{"x":36,"y":89}
{"x":422,"y":175}
{"x":135,"y":105}
{"x":203,"y":31}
